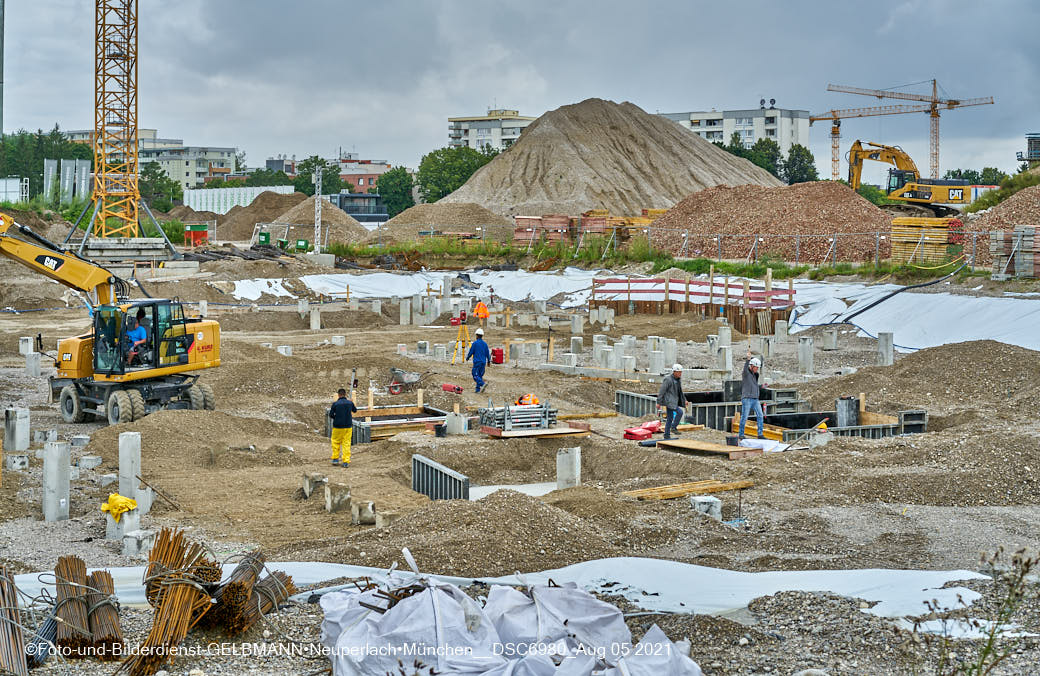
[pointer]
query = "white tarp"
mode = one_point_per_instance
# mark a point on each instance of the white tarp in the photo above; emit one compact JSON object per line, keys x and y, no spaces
{"x":252,"y":289}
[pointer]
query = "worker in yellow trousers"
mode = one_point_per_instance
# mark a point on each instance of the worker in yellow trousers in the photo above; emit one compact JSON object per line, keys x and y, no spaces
{"x":341,"y":412}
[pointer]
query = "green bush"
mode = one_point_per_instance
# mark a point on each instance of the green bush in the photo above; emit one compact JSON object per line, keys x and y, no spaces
{"x":1008,"y":187}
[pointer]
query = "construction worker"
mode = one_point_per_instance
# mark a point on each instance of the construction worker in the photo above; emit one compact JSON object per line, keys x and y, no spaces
{"x":670,"y":397}
{"x":342,"y":428}
{"x":481,"y":354}
{"x":481,"y":312}
{"x":136,"y":337}
{"x":749,"y":393}
{"x":527,"y":400}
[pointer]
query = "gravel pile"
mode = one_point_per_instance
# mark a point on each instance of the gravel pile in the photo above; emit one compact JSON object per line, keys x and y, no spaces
{"x":1022,"y":208}
{"x":186,"y":214}
{"x":603,"y":155}
{"x":341,"y":226}
{"x":777,"y":214}
{"x":238,"y":223}
{"x":447,"y":217}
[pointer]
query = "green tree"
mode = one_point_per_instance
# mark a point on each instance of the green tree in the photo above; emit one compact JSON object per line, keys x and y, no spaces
{"x":991,"y":176}
{"x":800,"y":166}
{"x":444,"y":170}
{"x":970,"y":175}
{"x":395,"y":187}
{"x":264,"y":177}
{"x":240,"y":161}
{"x":736,"y":146}
{"x":766,"y":154}
{"x":330,"y":180}
{"x":157,"y":189}
{"x":873,"y":194}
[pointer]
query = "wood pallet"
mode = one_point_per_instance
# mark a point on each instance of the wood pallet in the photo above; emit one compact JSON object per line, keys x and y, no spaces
{"x":694,"y":447}
{"x":691,"y":488}
{"x":547,"y":433}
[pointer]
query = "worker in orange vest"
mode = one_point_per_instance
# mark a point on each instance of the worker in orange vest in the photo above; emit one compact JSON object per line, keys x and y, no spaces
{"x":481,"y":311}
{"x":527,"y":400}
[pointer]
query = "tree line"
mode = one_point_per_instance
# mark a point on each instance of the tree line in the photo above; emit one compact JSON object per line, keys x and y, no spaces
{"x":798,"y":167}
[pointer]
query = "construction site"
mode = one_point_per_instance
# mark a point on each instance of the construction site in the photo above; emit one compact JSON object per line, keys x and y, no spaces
{"x":169,"y":503}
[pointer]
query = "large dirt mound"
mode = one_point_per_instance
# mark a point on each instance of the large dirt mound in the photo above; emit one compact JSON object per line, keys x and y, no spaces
{"x":237,"y":224}
{"x":814,"y":211}
{"x":955,"y":378}
{"x":186,"y":214}
{"x":454,"y":217}
{"x":341,"y":226}
{"x":603,"y":155}
{"x":1022,"y":208}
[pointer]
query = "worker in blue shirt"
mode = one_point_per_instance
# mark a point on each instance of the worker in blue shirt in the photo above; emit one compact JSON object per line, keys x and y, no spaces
{"x":481,"y":354}
{"x":136,"y":337}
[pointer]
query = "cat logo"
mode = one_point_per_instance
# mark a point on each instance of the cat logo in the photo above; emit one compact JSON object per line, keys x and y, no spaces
{"x":66,"y":356}
{"x":956,"y":193}
{"x":50,"y":262}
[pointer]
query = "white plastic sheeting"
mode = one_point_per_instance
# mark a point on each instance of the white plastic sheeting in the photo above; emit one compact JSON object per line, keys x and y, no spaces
{"x":252,"y":289}
{"x":514,"y":633}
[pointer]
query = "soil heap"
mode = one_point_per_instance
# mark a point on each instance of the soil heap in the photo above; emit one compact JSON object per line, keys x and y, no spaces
{"x":341,"y":226}
{"x":237,"y":224}
{"x":186,"y":214}
{"x":820,"y":208}
{"x":1022,"y":208}
{"x":455,"y":217}
{"x":603,"y":155}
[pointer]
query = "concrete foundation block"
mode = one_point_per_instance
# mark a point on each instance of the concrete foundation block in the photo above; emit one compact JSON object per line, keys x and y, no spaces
{"x":376,"y":306}
{"x":315,"y":319}
{"x":724,"y":358}
{"x":440,"y":352}
{"x":107,"y":479}
{"x":606,"y":315}
{"x":312,"y":481}
{"x":671,"y":351}
{"x":657,"y":362}
{"x":137,"y":543}
{"x":568,"y":467}
{"x":707,"y":505}
{"x":203,"y":308}
{"x":830,"y":338}
{"x":805,"y":355}
{"x":577,"y":344}
{"x":337,"y":497}
{"x":353,"y":305}
{"x":630,"y":343}
{"x":384,"y":519}
{"x":16,"y":429}
{"x":16,"y":462}
{"x":303,"y":306}
{"x":339,"y":341}
{"x":129,"y":463}
{"x":524,"y":319}
{"x":455,"y":423}
{"x":43,"y":436}
{"x":402,"y":349}
{"x":32,"y":364}
{"x":89,"y":461}
{"x":780,"y":331}
{"x":25,"y":345}
{"x":717,"y":374}
{"x":577,"y":324}
{"x":570,"y":359}
{"x":73,"y":473}
{"x":79,"y":440}
{"x":886,"y":348}
{"x":540,"y":307}
{"x":267,"y":345}
{"x":543,"y":321}
{"x":755,"y":344}
{"x":405,"y":309}
{"x":713,"y":345}
{"x":606,"y":358}
{"x":768,"y":346}
{"x":628,"y":364}
{"x":725,"y":336}
{"x":423,"y":347}
{"x":128,"y":521}
{"x":363,"y":513}
{"x":285,"y":349}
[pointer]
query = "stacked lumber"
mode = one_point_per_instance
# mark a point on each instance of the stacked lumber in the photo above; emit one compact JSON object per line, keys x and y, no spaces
{"x":921,"y":240}
{"x":257,"y":252}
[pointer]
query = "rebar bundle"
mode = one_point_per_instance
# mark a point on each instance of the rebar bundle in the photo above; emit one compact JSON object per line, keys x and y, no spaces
{"x":232,"y":596}
{"x":71,"y":610}
{"x":172,"y":553}
{"x":268,"y":594}
{"x":12,"y":641}
{"x":39,"y":647}
{"x":103,"y":616}
{"x":513,"y":417}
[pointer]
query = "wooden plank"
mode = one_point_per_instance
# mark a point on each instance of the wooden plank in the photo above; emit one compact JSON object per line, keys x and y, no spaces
{"x":772,"y":432}
{"x":707,"y":448}
{"x":549,"y":433}
{"x":688,"y":428}
{"x":690,"y":488}
{"x":868,"y":418}
{"x":586,"y":416}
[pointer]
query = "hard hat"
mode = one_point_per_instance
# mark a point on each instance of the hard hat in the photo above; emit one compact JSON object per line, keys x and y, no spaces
{"x":480,"y":332}
{"x":756,"y":362}
{"x":677,"y":367}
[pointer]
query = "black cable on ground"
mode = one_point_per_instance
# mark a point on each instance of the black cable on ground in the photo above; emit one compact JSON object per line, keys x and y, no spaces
{"x":848,"y":319}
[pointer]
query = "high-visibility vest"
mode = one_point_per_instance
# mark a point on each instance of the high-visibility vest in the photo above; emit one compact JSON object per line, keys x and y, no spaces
{"x":527,"y":399}
{"x":481,"y":311}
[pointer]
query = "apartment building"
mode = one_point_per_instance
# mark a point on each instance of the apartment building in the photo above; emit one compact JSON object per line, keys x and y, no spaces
{"x":191,"y":166}
{"x":786,"y":127}
{"x":146,"y":139}
{"x":500,"y":128}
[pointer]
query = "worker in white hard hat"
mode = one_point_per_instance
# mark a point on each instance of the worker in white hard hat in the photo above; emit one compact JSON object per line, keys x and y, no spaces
{"x":749,"y":394}
{"x":671,"y":398}
{"x":481,"y":354}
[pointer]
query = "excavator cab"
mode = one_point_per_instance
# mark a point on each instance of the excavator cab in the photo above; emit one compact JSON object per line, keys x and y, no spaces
{"x":897,"y":178}
{"x":119,"y":330}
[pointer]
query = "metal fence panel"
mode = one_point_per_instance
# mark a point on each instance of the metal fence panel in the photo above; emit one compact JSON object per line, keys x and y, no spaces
{"x":436,"y":481}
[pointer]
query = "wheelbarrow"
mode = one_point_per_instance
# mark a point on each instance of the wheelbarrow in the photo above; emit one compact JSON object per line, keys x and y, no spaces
{"x":401,"y":380}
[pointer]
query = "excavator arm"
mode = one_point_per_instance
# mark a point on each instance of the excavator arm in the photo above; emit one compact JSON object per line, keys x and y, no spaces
{"x":64,"y":267}
{"x":893,"y":155}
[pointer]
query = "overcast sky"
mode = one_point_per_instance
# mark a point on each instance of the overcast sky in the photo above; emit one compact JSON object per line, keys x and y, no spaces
{"x":381,"y":78}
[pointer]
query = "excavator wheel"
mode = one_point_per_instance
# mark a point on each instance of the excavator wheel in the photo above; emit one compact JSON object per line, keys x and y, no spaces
{"x":196,"y":398}
{"x":69,"y":403}
{"x":136,"y":403}
{"x":120,"y":408}
{"x":209,"y":400}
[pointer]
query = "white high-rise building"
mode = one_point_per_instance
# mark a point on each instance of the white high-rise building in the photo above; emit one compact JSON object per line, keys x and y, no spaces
{"x":499,"y":129}
{"x":786,"y":127}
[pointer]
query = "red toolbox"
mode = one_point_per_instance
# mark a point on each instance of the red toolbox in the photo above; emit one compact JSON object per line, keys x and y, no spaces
{"x":638,"y":433}
{"x":498,"y":356}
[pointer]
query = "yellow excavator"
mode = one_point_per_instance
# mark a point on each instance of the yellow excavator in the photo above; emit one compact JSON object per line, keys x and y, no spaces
{"x":117,"y":371}
{"x":918,"y":197}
